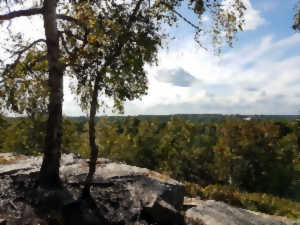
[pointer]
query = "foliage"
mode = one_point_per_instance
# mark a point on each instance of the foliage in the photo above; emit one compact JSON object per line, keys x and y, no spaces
{"x":70,"y":137}
{"x":132,"y":141}
{"x":282,"y":120}
{"x":23,"y":91}
{"x":259,"y":202}
{"x":4,"y":124}
{"x":252,"y":156}
{"x":184,"y":150}
{"x":159,"y":146}
{"x":26,"y":136}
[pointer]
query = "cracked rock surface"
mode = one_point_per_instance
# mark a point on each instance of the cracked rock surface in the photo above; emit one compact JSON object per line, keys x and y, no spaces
{"x":120,"y":194}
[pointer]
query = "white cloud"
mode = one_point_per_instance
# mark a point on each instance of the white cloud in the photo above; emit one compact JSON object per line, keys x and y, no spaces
{"x":252,"y":17}
{"x":259,"y":78}
{"x":177,"y":77}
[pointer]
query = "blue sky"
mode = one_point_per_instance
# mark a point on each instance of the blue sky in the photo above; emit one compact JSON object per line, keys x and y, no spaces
{"x":259,"y":75}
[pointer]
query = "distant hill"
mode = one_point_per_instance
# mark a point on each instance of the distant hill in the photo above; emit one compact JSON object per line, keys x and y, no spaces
{"x":194,"y":117}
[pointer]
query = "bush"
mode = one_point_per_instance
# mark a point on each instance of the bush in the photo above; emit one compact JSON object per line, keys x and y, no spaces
{"x":259,"y":202}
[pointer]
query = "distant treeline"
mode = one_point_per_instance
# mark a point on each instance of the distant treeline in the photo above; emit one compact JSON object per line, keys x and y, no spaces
{"x":194,"y":117}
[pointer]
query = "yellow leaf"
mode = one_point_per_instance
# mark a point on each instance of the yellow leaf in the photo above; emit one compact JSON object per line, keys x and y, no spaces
{"x":78,"y":15}
{"x":92,"y":38}
{"x":91,"y":22}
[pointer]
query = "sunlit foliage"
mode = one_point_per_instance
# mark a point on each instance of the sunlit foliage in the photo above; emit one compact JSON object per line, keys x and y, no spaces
{"x":260,"y":202}
{"x":26,"y":136}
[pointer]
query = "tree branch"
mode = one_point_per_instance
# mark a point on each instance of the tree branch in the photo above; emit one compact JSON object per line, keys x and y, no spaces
{"x":77,"y":22}
{"x":9,"y":11}
{"x":29,"y":47}
{"x":187,"y":21}
{"x":64,"y":44}
{"x":19,"y":53}
{"x":19,"y":13}
{"x":37,"y":60}
{"x":182,"y":17}
{"x":134,"y":13}
{"x":70,"y":19}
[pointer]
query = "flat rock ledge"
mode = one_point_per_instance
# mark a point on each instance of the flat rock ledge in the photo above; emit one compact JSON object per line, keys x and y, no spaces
{"x":120,"y":195}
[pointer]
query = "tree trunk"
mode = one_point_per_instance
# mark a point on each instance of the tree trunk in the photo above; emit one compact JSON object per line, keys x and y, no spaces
{"x":94,"y":102}
{"x":49,"y":173}
{"x":92,"y":139}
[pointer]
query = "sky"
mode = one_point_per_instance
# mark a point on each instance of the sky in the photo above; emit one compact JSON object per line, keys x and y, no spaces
{"x":260,"y":74}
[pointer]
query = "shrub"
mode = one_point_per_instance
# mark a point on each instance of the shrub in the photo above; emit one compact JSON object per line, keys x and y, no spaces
{"x":259,"y":202}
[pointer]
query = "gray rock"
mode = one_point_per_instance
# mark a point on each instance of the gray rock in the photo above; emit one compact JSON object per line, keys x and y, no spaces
{"x":165,"y":213}
{"x":121,"y":194}
{"x":127,"y":193}
{"x":2,"y":222}
{"x":218,"y":213}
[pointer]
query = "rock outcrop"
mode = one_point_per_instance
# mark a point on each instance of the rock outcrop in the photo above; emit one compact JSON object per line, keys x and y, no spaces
{"x":218,"y":213}
{"x":120,"y":194}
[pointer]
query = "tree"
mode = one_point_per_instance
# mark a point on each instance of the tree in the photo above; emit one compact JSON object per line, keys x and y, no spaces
{"x":114,"y":67}
{"x":117,"y":40}
{"x":49,"y":174}
{"x":4,"y":124}
{"x":179,"y":148}
{"x":90,"y":38}
{"x":70,"y":138}
{"x":25,"y":136}
{"x":251,"y":155}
